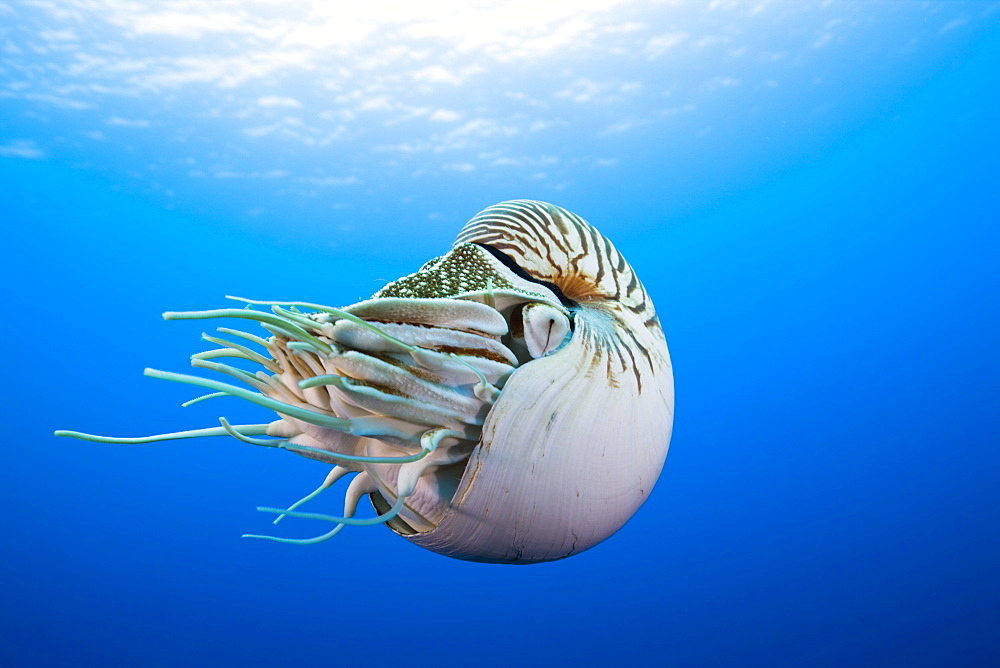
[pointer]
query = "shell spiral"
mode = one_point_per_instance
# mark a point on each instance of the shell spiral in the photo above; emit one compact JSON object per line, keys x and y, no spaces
{"x":582,"y":432}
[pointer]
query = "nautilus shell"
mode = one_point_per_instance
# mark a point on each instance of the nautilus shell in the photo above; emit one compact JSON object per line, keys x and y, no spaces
{"x":511,"y":401}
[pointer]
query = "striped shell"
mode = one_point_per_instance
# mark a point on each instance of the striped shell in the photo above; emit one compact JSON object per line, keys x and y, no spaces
{"x":510,"y":402}
{"x":576,"y":440}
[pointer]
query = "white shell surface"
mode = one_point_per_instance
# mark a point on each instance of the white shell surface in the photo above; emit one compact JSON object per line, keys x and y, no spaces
{"x":578,"y":437}
{"x":569,"y":453}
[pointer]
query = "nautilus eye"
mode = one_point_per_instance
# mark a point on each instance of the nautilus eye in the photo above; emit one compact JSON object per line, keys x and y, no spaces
{"x":511,"y":401}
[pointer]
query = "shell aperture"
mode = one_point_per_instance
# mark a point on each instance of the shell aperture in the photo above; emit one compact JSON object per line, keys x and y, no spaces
{"x":510,"y":402}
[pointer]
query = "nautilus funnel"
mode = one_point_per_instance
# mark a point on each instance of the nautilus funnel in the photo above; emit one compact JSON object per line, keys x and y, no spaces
{"x":511,"y":401}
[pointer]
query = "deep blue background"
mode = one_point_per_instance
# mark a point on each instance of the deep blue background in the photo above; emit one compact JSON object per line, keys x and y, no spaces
{"x":831,"y":495}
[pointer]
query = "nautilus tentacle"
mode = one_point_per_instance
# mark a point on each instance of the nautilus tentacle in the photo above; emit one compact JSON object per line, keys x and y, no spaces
{"x":511,"y":401}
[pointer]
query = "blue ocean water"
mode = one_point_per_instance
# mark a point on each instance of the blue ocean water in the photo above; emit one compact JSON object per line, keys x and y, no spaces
{"x":809,"y":192}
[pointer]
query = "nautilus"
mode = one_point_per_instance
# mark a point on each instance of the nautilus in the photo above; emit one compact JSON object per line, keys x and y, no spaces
{"x":510,"y":402}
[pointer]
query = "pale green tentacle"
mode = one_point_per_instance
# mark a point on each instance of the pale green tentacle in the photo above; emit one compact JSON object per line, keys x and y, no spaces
{"x":213,"y":395}
{"x":244,"y":335}
{"x":306,"y":415}
{"x":244,"y":352}
{"x":342,"y":315}
{"x":350,"y":521}
{"x":332,"y":477}
{"x":317,"y":381}
{"x":251,"y":429}
{"x":238,"y":374}
{"x":288,"y":328}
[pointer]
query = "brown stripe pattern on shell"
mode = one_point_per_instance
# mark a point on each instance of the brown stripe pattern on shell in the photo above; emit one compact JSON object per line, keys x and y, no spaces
{"x":556,"y":246}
